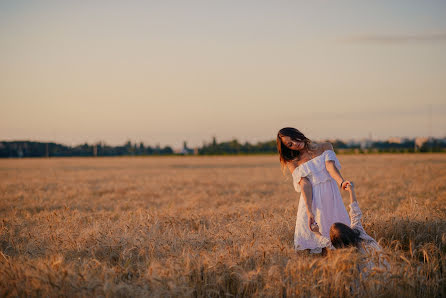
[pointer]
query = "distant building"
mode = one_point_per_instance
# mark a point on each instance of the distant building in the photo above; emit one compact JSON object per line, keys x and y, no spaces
{"x":186,"y":150}
{"x":365,"y":143}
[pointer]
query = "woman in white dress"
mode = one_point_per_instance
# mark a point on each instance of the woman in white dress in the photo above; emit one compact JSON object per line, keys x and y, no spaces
{"x":315,"y":171}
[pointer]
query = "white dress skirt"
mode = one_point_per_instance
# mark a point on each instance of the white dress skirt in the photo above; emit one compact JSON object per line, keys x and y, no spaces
{"x":327,"y":205}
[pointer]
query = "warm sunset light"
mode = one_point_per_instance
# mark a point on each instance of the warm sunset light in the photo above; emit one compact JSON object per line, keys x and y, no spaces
{"x":221,"y":148}
{"x":172,"y":71}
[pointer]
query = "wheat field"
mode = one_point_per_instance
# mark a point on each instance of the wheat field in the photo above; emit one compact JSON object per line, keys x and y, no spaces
{"x":211,"y":226}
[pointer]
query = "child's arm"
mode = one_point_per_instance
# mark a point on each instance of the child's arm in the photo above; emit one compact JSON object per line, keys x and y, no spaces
{"x":355,"y":212}
{"x":351,"y":189}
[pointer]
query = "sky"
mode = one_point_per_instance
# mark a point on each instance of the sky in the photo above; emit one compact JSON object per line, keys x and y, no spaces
{"x":164,"y":72}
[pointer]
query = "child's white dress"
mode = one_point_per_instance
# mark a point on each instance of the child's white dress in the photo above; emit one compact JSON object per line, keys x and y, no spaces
{"x":368,"y":244}
{"x":327,"y":206}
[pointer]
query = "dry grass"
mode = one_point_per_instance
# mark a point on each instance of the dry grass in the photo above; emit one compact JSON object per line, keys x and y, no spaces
{"x":210,"y":226}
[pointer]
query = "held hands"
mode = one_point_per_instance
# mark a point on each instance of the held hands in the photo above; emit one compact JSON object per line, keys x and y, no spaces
{"x":345,"y":184}
{"x":351,"y":190}
{"x":312,"y":224}
{"x":350,"y":187}
{"x":311,"y":220}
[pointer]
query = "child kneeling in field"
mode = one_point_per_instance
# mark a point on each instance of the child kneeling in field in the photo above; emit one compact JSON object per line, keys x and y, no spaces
{"x":342,"y":236}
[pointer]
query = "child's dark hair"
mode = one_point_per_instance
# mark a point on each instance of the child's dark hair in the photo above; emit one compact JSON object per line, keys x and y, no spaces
{"x":342,"y":236}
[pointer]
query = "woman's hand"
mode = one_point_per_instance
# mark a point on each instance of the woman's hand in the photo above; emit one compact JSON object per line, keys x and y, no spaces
{"x":315,"y":228}
{"x":311,"y":220}
{"x":350,"y":187}
{"x":345,"y":184}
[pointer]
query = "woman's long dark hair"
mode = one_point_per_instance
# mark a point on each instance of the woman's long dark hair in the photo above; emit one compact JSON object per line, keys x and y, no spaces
{"x":286,"y":154}
{"x":342,"y":236}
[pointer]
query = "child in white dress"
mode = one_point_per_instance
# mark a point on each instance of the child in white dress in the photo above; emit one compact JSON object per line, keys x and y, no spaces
{"x":342,"y":236}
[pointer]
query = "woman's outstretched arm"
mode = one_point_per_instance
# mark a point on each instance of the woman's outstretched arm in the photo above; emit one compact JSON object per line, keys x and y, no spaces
{"x":307,"y":193}
{"x":336,"y":174}
{"x":334,"y":171}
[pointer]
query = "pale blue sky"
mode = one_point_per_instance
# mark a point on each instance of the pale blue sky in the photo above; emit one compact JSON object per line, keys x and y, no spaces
{"x":168,"y":71}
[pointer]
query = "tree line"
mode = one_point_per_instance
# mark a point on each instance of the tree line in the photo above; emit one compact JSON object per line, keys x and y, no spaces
{"x":40,"y":149}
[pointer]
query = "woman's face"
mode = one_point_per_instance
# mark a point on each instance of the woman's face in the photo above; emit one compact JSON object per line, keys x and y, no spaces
{"x":293,"y":144}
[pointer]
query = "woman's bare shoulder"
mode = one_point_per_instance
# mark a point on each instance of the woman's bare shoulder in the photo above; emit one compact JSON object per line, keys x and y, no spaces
{"x":326,"y":146}
{"x":319,"y":148}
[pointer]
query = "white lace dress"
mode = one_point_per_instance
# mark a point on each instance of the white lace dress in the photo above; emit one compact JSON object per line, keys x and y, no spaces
{"x":327,"y":206}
